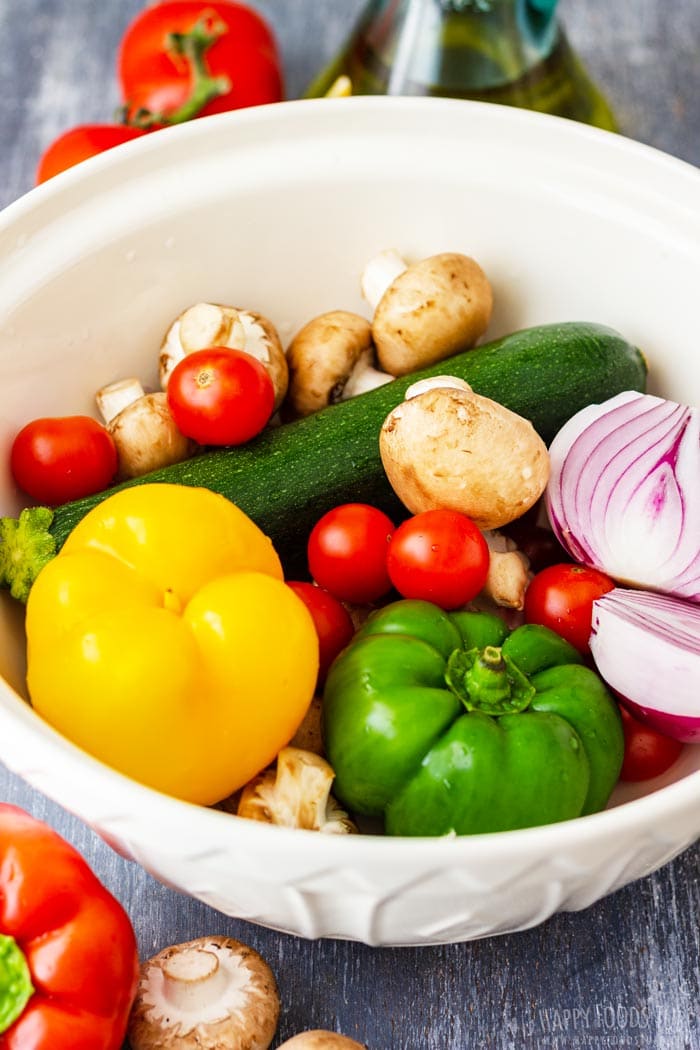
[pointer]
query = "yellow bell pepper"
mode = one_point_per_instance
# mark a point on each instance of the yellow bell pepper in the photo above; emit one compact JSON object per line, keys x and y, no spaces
{"x":163,"y":640}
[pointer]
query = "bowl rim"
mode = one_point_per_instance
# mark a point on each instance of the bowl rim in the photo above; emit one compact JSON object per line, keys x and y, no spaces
{"x":363,"y":107}
{"x":47,"y":749}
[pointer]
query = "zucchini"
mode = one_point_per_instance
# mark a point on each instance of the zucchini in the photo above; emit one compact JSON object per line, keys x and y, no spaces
{"x":290,"y":475}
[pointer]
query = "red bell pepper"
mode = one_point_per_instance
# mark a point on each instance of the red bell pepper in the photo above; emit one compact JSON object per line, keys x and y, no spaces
{"x":68,"y":956}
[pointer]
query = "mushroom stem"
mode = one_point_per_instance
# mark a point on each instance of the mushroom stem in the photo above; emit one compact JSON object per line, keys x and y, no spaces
{"x":364,"y":377}
{"x":379,"y":273}
{"x":113,"y":398}
{"x":436,"y":383}
{"x":213,"y":993}
{"x":508,"y":571}
{"x":192,"y":979}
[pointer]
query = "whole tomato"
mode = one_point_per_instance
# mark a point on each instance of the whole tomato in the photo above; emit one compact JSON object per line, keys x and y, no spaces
{"x":347,"y":552}
{"x":648,"y":753}
{"x":55,"y":460}
{"x":79,"y":144}
{"x":184,"y":58}
{"x":439,"y":556}
{"x":220,"y":396}
{"x":331,"y":619}
{"x":561,"y":597}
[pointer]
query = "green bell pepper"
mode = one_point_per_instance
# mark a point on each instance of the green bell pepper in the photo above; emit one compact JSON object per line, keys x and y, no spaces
{"x":449,"y":723}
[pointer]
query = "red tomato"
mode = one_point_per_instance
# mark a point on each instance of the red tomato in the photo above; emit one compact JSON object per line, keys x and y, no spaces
{"x":331,"y":619}
{"x":561,"y":597}
{"x":220,"y":396}
{"x":61,"y":459}
{"x":347,"y":552}
{"x":439,"y":556}
{"x":647,"y":752}
{"x":224,"y":56}
{"x":79,"y":144}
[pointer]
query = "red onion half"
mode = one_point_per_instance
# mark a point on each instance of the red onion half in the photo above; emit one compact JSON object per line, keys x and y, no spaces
{"x":624,"y":492}
{"x":647,"y":648}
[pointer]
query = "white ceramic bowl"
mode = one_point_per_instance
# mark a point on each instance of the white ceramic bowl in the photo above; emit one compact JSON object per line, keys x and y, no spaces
{"x":277,"y":209}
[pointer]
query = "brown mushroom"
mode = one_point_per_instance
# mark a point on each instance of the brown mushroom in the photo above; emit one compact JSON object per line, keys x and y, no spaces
{"x":331,"y":359}
{"x":431,"y":310}
{"x":142,"y":427}
{"x":214,"y":993}
{"x":509,"y":574}
{"x":209,"y":324}
{"x":319,"y":1039}
{"x":296,"y":794}
{"x":447,"y":447}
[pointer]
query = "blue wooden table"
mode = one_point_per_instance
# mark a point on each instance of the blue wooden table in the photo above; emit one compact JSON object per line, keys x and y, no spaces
{"x":624,"y":973}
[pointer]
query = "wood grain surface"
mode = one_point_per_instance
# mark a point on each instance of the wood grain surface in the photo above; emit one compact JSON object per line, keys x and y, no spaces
{"x":622,"y":974}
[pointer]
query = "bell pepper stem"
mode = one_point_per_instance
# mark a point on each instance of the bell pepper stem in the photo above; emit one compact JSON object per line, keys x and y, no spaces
{"x":26,"y":545}
{"x":192,"y":47}
{"x":16,"y":987}
{"x":487,"y":680}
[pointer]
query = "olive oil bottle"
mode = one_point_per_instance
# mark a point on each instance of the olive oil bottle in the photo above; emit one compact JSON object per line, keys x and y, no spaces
{"x":514,"y":52}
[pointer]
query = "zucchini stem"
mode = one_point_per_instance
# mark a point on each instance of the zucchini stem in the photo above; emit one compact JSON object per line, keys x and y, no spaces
{"x":26,"y":546}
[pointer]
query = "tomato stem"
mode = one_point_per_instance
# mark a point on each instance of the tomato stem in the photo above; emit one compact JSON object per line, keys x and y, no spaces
{"x":191,"y":46}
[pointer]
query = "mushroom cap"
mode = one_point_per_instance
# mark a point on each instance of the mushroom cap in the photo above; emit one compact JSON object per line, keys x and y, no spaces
{"x":436,"y":308}
{"x":213,"y":993}
{"x":147,"y":437}
{"x":450,"y":448}
{"x":322,"y":356}
{"x":204,"y":325}
{"x":319,"y":1039}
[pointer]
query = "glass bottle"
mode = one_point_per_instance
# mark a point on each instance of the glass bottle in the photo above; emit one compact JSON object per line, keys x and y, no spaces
{"x":513,"y":52}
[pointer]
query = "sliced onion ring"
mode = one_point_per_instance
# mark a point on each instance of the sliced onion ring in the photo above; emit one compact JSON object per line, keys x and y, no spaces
{"x":647,"y":648}
{"x":624,"y":492}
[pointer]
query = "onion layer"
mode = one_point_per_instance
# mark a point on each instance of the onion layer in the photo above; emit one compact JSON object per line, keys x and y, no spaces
{"x":624,"y":492}
{"x":647,"y":648}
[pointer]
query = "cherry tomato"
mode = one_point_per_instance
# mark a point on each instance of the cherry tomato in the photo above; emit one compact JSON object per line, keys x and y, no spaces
{"x":79,"y":144}
{"x":220,"y":396}
{"x":56,"y":460}
{"x":333,"y":624}
{"x":561,"y":597}
{"x":347,"y":552}
{"x":440,"y":556}
{"x":184,"y":58}
{"x":648,"y":753}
